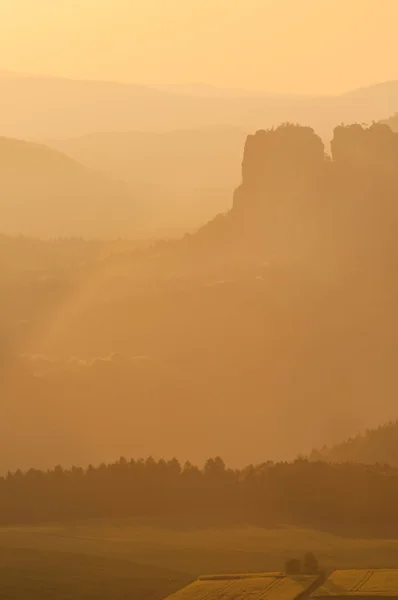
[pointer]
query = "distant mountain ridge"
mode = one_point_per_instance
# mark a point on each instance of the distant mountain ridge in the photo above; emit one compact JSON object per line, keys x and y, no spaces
{"x":193,"y":158}
{"x":179,"y":147}
{"x":44,"y":193}
{"x":43,"y":107}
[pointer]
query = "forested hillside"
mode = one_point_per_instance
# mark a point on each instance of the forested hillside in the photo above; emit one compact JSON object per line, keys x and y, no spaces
{"x":341,"y":498}
{"x":374,"y":446}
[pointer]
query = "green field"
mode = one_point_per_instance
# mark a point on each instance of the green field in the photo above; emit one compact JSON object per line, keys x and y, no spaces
{"x":143,"y":559}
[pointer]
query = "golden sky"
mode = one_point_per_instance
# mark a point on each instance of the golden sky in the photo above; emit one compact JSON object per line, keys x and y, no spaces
{"x":273,"y":45}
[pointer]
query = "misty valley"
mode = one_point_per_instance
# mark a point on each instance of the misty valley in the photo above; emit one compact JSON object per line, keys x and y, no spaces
{"x":198,"y":342}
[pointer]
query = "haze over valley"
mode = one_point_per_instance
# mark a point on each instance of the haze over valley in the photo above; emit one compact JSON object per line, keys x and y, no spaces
{"x":265,"y":303}
{"x":169,"y":156}
{"x":198,"y":300}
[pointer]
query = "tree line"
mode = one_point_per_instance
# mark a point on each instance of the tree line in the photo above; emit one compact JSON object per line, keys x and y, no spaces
{"x":378,"y":445}
{"x":353,"y":498}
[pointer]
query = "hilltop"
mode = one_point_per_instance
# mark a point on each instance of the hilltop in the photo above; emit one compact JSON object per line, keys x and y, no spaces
{"x":379,"y":445}
{"x":193,"y":158}
{"x":53,"y":107}
{"x":47,"y":194}
{"x":300,"y":207}
{"x":177,"y":149}
{"x":47,"y":107}
{"x":183,"y":178}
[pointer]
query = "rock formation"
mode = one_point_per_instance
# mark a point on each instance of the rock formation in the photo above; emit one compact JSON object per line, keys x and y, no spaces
{"x":296,"y":202}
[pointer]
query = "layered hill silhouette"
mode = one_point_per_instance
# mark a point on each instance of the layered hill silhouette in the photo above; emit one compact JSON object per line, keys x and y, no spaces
{"x":51,"y":107}
{"x":378,"y":445}
{"x":362,"y":105}
{"x":299,"y":206}
{"x":176,"y":147}
{"x":270,"y":331}
{"x":182,"y":159}
{"x":182,"y":178}
{"x":45,"y":107}
{"x":45,"y":193}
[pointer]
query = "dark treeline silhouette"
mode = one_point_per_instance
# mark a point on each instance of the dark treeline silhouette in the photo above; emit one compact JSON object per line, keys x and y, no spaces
{"x":343,"y":497}
{"x":378,"y":445}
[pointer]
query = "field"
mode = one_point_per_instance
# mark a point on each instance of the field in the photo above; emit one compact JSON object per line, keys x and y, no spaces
{"x":355,"y":582}
{"x":267,"y":586}
{"x":150,"y":559}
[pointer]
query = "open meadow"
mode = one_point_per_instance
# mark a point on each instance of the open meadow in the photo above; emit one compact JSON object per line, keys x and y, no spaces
{"x":139,"y":559}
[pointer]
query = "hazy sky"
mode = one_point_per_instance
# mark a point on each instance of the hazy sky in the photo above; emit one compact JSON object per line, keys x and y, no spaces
{"x":276,"y":45}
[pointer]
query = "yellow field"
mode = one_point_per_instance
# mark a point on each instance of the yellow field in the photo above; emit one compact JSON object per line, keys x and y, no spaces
{"x":267,"y":586}
{"x":360,"y":582}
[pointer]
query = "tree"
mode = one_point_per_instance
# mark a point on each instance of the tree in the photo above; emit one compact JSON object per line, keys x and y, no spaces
{"x":310,"y":563}
{"x":292,"y":566}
